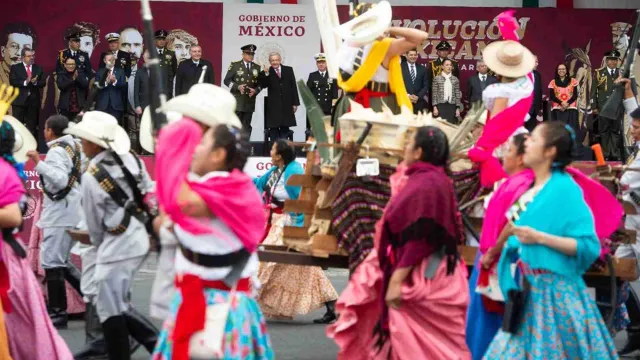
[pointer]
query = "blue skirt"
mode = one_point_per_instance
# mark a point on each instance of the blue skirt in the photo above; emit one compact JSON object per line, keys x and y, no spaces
{"x":482,"y":325}
{"x":560,"y":322}
{"x":246,"y":335}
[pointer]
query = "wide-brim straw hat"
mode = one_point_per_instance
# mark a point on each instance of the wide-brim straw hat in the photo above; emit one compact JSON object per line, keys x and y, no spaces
{"x":146,"y":129}
{"x":103,"y":130}
{"x":367,"y":27}
{"x":25,"y":141}
{"x":207,"y":104}
{"x":509,"y":58}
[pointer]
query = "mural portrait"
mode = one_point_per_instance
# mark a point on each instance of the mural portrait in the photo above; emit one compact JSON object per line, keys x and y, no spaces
{"x":14,"y":38}
{"x":180,"y":42}
{"x":131,"y":41}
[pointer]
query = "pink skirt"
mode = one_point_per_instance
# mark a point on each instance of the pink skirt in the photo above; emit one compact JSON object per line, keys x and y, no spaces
{"x":29,"y":330}
{"x":430,"y":323}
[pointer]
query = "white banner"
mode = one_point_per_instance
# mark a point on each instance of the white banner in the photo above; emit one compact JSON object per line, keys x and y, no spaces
{"x":291,"y":30}
{"x":258,"y":166}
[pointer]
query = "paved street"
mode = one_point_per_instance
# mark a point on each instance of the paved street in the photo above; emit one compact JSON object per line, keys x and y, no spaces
{"x":293,"y":340}
{"x":299,"y":339}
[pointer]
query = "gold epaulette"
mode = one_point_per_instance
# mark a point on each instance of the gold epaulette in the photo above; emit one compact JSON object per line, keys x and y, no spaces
{"x":61,"y":55}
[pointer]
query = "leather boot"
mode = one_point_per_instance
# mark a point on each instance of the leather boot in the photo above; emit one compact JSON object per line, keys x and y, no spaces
{"x":330,"y":316}
{"x":141,"y":329}
{"x":57,"y":297}
{"x":73,"y":275}
{"x":633,"y":330}
{"x":116,"y":336}
{"x":95,"y":347}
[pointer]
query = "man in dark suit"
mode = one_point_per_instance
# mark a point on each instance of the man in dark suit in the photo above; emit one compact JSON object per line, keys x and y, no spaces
{"x":324,"y":88}
{"x":479,"y":82}
{"x":435,"y":67}
{"x":609,"y":130}
{"x":29,"y":78}
{"x":110,"y":99}
{"x":168,"y":61}
{"x":189,"y":71}
{"x":282,"y":102}
{"x":536,"y":106}
{"x":73,"y":51}
{"x":415,"y":81}
{"x":123,"y":58}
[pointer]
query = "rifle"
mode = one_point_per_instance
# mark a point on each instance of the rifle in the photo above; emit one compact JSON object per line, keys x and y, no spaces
{"x":157,"y":97}
{"x":613,"y":109}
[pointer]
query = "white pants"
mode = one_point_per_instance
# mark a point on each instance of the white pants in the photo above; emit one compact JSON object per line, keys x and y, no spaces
{"x":56,"y":245}
{"x":88,"y":254}
{"x":113,"y":282}
{"x":163,"y":286}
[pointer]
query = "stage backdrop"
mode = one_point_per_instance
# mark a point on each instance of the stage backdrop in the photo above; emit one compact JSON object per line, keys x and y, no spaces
{"x":290,"y":30}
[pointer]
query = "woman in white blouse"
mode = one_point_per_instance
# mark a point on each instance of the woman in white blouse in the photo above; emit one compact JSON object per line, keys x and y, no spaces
{"x":446,"y":94}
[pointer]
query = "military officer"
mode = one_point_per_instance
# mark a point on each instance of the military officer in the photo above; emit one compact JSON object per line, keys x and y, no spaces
{"x":242,"y":80}
{"x":123,"y":58}
{"x":609,"y":130}
{"x":168,"y":60}
{"x":324,"y":88}
{"x":435,"y":67}
{"x":73,"y":51}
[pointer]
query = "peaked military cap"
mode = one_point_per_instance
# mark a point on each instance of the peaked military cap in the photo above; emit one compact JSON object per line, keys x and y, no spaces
{"x":74,"y":37}
{"x":112,"y":37}
{"x":161,"y":34}
{"x":443,"y":45}
{"x":249,"y":48}
{"x":320,"y":57}
{"x":613,"y":54}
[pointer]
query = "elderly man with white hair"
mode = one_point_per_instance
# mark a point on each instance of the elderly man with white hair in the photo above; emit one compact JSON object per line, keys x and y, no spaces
{"x":189,"y":71}
{"x":282,"y":102}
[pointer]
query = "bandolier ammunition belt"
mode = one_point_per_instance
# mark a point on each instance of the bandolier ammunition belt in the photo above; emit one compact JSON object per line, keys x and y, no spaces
{"x":131,"y":209}
{"x":74,"y":175}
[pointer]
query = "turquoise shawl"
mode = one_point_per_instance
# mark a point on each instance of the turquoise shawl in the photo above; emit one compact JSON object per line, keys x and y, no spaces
{"x":559,"y":208}
{"x":293,"y":168}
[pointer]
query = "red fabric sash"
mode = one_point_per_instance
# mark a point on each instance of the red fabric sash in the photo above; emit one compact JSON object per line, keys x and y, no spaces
{"x":191,"y":314}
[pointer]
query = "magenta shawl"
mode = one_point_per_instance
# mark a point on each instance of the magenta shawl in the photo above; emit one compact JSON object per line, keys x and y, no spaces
{"x":607,"y":211}
{"x":11,"y":187}
{"x":234,"y":199}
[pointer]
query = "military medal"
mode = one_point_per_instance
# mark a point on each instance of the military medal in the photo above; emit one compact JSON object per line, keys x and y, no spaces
{"x":81,"y":58}
{"x":255,"y":73}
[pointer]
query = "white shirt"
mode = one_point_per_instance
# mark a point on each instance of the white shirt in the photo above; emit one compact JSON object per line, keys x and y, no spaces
{"x":196,"y":63}
{"x":322,"y":73}
{"x":110,"y":73}
{"x":483,"y":77}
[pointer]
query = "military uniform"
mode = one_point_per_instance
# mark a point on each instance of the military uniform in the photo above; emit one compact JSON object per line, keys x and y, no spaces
{"x":82,"y":61}
{"x":434,"y":68}
{"x":168,"y":61}
{"x":609,"y":130}
{"x":243,"y":73}
{"x":323,"y":88}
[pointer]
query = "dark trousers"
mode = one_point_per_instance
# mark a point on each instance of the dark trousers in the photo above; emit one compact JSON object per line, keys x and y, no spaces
{"x":245,"y":118}
{"x":69,"y":115}
{"x":609,"y":131}
{"x":28,"y":115}
{"x":281,"y":132}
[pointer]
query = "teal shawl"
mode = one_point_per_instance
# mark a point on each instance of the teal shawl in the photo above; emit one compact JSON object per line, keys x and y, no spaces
{"x":293,"y":168}
{"x":559,"y":208}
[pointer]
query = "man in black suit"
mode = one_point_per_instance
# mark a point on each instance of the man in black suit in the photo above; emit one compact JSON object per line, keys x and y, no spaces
{"x":110,"y":99}
{"x":29,"y":78}
{"x":536,"y":106}
{"x":324,"y":88}
{"x":415,"y":80}
{"x":479,"y":82}
{"x":189,"y":71}
{"x":123,"y":58}
{"x":73,"y":51}
{"x":282,"y":102}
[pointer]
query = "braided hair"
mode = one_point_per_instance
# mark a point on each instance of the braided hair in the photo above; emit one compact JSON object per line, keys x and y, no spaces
{"x":236,"y":142}
{"x":7,"y":142}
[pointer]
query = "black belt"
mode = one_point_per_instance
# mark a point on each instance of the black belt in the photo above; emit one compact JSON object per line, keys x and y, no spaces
{"x":215,"y":261}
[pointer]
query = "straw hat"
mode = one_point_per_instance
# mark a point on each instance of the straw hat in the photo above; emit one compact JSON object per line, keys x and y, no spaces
{"x":509,"y":58}
{"x":25,"y":142}
{"x":103,"y":130}
{"x":146,"y":130}
{"x":208,"y":104}
{"x":367,"y":27}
